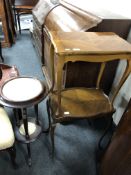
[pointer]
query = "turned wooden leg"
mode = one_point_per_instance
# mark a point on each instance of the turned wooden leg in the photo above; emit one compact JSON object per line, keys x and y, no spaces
{"x":51,"y":126}
{"x":1,"y":53}
{"x":105,"y":132}
{"x":29,"y":154}
{"x":17,"y":116}
{"x":36,"y":113}
{"x":49,"y":119}
{"x":52,"y":131}
{"x":25,"y":122}
{"x":18,"y":19}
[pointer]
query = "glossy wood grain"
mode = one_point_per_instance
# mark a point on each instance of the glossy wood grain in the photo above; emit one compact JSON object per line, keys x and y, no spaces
{"x":80,"y":103}
{"x":72,"y":20}
{"x":70,"y":43}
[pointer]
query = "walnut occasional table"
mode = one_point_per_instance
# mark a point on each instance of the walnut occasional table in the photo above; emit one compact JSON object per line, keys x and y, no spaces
{"x":81,"y":103}
{"x":88,"y":47}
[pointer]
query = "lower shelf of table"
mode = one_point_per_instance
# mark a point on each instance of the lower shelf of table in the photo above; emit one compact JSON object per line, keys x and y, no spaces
{"x":22,"y":138}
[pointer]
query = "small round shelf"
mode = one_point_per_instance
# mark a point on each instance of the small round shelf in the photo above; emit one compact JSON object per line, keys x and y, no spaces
{"x":33,"y":135}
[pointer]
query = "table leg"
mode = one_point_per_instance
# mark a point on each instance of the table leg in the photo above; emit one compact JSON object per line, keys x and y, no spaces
{"x":18,"y":19}
{"x":25,"y":121}
{"x":1,"y":53}
{"x":15,"y":16}
{"x":16,"y":115}
{"x":36,"y":113}
{"x":49,"y":117}
{"x":29,"y":154}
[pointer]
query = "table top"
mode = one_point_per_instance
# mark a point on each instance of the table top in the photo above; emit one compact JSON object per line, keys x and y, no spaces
{"x":31,"y":3}
{"x":69,"y":43}
{"x":22,"y":92}
{"x":21,"y":89}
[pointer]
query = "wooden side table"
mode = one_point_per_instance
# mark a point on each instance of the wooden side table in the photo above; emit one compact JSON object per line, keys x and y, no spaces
{"x":81,"y":102}
{"x":25,"y":92}
{"x":88,"y":47}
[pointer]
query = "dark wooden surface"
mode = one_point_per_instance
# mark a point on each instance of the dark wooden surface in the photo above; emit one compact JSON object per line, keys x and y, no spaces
{"x":117,"y":159}
{"x":120,"y":26}
{"x":25,"y":2}
{"x":7,"y":23}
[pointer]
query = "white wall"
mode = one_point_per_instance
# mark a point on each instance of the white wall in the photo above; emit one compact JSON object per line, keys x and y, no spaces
{"x":105,"y":7}
{"x":125,"y":93}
